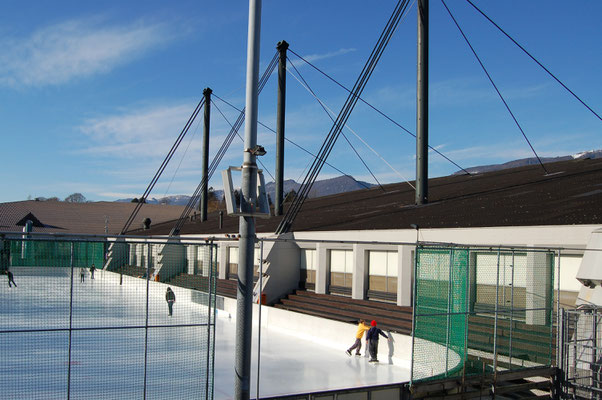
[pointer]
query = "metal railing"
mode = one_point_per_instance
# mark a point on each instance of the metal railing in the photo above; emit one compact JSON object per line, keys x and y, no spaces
{"x":581,"y":352}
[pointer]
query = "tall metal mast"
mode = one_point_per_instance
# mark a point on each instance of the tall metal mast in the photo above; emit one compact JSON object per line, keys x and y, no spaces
{"x":282,"y":48}
{"x":246,"y":246}
{"x":422,"y":100}
{"x":205,"y":178}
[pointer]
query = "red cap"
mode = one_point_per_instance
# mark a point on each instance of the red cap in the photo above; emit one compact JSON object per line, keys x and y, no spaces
{"x":373,"y":323}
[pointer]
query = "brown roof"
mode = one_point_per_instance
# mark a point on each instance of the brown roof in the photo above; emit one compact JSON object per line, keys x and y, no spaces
{"x":89,"y":218}
{"x":570,"y":194}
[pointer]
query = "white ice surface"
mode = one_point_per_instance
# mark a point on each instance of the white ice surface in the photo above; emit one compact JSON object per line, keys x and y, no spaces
{"x":109,"y":364}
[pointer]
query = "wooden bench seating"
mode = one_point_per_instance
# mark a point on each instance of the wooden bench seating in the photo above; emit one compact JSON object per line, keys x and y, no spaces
{"x":389,"y":316}
{"x":224,"y":287}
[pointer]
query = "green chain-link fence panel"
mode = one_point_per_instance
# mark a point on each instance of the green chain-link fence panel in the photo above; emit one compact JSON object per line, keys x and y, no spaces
{"x":479,"y":310}
{"x":39,"y":253}
{"x":440,"y":318}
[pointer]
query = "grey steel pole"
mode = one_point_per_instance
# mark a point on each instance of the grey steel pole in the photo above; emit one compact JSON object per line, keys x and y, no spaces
{"x":279,"y":195}
{"x":422,"y":100}
{"x":246,"y":245}
{"x":495,"y":334}
{"x":259,"y":312}
{"x":205,"y":178}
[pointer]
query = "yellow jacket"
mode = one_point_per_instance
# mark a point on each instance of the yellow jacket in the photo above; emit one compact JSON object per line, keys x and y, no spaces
{"x":361,"y":328}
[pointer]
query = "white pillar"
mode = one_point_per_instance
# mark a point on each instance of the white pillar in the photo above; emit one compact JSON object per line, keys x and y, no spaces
{"x":359,"y":285}
{"x":539,"y":287}
{"x":132,"y":249}
{"x":191,"y":258}
{"x":405,"y":275}
{"x":223,"y":261}
{"x":321,"y":268}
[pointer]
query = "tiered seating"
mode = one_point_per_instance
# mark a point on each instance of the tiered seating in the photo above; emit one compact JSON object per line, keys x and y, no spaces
{"x":389,"y":316}
{"x":533,"y":343}
{"x":225,"y":287}
{"x":133,"y":270}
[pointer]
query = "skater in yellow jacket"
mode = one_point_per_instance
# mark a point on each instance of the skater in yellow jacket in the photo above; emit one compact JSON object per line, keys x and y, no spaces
{"x":357,"y":345}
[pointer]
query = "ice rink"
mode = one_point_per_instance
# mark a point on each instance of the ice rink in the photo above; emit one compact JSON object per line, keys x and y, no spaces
{"x":108,"y":346}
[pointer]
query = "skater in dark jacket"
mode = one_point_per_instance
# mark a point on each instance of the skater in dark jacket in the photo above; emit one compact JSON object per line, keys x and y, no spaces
{"x":10,"y":278}
{"x":92,"y":269}
{"x":372,"y":338}
{"x":170,"y":297}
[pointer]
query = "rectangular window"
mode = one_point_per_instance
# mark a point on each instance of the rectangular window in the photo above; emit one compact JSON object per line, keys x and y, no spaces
{"x":383,"y":269}
{"x":307,"y":278}
{"x":512,"y":280}
{"x":232,"y":262}
{"x":341,"y":271}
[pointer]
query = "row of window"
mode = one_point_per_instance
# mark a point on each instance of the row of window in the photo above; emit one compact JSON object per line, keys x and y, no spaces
{"x":382,"y":271}
{"x":382,"y":267}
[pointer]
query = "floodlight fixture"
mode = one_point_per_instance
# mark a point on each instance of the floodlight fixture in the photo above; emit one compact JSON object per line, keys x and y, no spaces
{"x":257,"y":150}
{"x":260,"y":210}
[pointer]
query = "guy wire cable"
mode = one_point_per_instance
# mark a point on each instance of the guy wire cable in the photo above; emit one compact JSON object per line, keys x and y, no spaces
{"x":328,"y":144}
{"x":494,"y":86}
{"x":288,"y":140}
{"x":163,"y":165}
{"x":434,"y":149}
{"x":222,"y":151}
{"x":534,"y":59}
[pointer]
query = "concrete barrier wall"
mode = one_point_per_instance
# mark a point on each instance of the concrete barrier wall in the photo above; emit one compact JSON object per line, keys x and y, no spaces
{"x":334,"y":334}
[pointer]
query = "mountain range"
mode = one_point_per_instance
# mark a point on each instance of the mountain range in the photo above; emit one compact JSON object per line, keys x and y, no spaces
{"x":347,"y":183}
{"x":320,"y":188}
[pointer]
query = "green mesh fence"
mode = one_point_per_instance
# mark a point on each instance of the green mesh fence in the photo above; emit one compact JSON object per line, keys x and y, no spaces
{"x":481,"y":310}
{"x":110,"y":332}
{"x":38,"y":253}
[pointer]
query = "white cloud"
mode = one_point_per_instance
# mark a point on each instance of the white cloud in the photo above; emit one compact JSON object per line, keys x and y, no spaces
{"x":74,"y":49}
{"x":316,"y":57}
{"x":138,"y":126}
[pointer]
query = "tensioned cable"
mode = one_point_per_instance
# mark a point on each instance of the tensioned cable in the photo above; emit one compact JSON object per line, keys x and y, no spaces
{"x":375,"y":109}
{"x":494,"y":85}
{"x":288,"y":140}
{"x":163,"y":165}
{"x":343,"y":116}
{"x":328,"y":112}
{"x":329,"y":142}
{"x":240,"y":137}
{"x":182,"y":158}
{"x":534,"y":59}
{"x":222,"y":150}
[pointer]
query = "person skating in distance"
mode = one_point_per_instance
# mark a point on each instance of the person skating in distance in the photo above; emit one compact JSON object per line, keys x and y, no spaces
{"x":10,"y":278}
{"x":372,"y":338}
{"x":170,"y":297}
{"x":357,"y":345}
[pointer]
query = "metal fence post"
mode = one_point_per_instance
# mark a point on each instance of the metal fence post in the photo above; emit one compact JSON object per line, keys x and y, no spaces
{"x":466,"y":316}
{"x":560,"y":352}
{"x":210,"y":292}
{"x":558,"y":322}
{"x":449,"y":300}
{"x":594,"y":347}
{"x":495,"y":336}
{"x":511,"y":306}
{"x":259,"y":314}
{"x":414,"y":304}
{"x":70,"y":327}
{"x":148,"y":261}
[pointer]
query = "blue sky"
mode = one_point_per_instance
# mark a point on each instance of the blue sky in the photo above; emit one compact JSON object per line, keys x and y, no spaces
{"x":93,"y":94}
